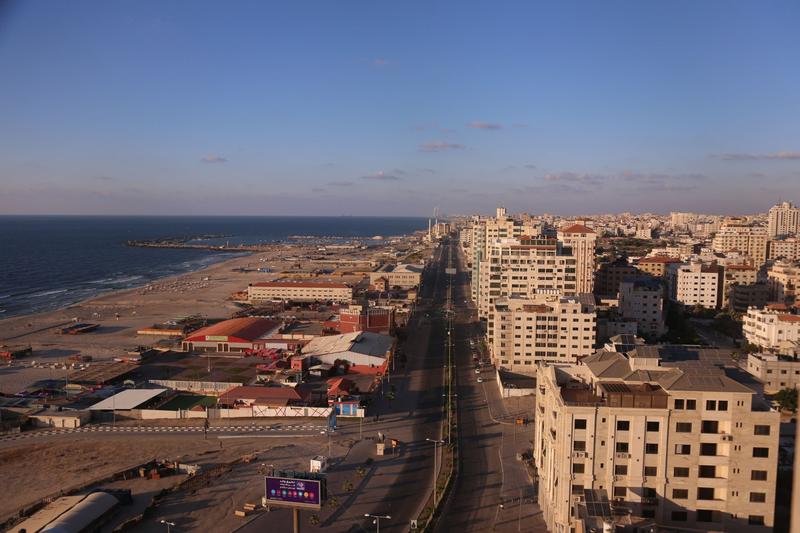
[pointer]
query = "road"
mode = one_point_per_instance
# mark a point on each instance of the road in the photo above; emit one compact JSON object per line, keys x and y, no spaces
{"x":394,"y":485}
{"x":489,"y":440}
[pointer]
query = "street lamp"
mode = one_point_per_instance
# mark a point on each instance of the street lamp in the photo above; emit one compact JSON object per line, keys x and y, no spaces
{"x":168,"y":524}
{"x":435,"y":442}
{"x":377,"y":518}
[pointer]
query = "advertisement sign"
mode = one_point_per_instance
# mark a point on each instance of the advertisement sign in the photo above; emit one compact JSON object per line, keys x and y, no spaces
{"x":216,"y":338}
{"x":293,"y":492}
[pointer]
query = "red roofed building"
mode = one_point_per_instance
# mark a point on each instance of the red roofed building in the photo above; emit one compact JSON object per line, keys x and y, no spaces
{"x":247,"y":396}
{"x":656,"y":265}
{"x":299,"y":291}
{"x":235,"y":335}
{"x":363,"y":318}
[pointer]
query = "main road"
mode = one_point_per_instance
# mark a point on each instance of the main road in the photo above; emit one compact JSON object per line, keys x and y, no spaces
{"x":494,"y":491}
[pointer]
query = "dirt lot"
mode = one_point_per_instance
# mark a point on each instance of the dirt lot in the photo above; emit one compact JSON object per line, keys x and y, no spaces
{"x":37,"y":470}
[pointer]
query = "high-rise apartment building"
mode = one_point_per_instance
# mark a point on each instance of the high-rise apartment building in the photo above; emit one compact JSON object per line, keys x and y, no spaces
{"x":736,"y":275}
{"x":741,"y":236}
{"x":787,"y":249}
{"x":524,"y":333}
{"x":660,"y":434}
{"x":524,"y":268}
{"x":783,"y":279}
{"x":783,"y":220}
{"x":580,"y":240}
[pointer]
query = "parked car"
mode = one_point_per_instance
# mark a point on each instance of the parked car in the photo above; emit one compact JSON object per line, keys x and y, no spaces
{"x":480,"y":380}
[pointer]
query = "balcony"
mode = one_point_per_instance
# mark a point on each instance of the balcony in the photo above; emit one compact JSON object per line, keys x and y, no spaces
{"x":622,"y":455}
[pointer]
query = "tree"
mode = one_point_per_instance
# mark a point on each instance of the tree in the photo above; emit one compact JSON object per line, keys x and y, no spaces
{"x":787,"y":399}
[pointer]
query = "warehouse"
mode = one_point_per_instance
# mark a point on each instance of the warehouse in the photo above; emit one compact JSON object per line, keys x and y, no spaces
{"x":363,"y":350}
{"x":235,"y":335}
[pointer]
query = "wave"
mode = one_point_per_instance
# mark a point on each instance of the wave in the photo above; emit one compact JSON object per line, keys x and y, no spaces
{"x":116,"y":281}
{"x":47,"y":293}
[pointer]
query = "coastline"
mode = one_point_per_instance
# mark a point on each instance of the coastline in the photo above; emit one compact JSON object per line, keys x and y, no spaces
{"x":122,"y":312}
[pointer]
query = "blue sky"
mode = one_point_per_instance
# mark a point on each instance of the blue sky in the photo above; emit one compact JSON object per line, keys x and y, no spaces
{"x":137,"y":107}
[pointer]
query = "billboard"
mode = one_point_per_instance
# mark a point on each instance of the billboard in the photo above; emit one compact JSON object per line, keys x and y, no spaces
{"x":293,"y":492}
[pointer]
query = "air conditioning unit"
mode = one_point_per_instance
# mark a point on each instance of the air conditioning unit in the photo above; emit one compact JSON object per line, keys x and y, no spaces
{"x":727,"y":437}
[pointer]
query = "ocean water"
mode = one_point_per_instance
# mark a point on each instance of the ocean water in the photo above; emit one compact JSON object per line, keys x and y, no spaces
{"x":48,"y":262}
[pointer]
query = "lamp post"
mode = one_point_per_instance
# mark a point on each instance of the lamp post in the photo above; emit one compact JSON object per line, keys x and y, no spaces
{"x":436,"y":443}
{"x":168,"y":524}
{"x":377,"y":518}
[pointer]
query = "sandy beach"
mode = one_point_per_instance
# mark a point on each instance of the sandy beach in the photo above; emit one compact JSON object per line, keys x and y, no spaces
{"x":121,"y":313}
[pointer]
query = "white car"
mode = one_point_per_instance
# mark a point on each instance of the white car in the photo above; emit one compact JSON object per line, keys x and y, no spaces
{"x":480,"y":380}
{"x":477,"y":370}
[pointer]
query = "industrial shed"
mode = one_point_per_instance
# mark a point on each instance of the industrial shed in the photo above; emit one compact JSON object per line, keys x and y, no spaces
{"x":235,"y":335}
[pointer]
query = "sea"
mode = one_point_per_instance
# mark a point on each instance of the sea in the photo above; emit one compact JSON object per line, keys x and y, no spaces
{"x":50,"y":262}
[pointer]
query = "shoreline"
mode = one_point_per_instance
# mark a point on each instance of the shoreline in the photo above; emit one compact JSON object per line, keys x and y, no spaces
{"x":103,"y":293}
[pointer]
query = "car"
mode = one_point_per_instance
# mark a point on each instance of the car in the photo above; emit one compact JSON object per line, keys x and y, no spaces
{"x":480,"y":380}
{"x":477,"y":370}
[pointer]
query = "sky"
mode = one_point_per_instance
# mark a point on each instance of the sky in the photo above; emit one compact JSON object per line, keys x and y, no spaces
{"x":396,"y":108}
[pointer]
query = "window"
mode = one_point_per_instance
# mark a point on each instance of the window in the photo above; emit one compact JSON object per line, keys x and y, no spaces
{"x":620,"y":470}
{"x":679,"y":404}
{"x":760,"y":452}
{"x":579,"y":446}
{"x":758,"y":497}
{"x":691,"y":405}
{"x":683,"y":449}
{"x":653,"y":426}
{"x":705,"y":493}
{"x":680,"y":494}
{"x":705,"y":515}
{"x":679,"y":516}
{"x":758,"y":475}
{"x":711,"y":405}
{"x":760,"y":430}
{"x":620,"y":492}
{"x":683,"y":427}
{"x":580,"y":423}
{"x":577,"y":489}
{"x":622,"y":447}
{"x":651,"y":447}
{"x":708,"y":448}
{"x":707,"y":471}
{"x":650,"y":471}
{"x":722,"y":405}
{"x":578,"y":468}
{"x":755,"y":520}
{"x":623,"y":425}
{"x":680,"y":471}
{"x":709,"y":426}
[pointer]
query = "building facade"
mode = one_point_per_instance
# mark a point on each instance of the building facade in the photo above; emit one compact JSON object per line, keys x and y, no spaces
{"x":299,"y":291}
{"x":687,"y":453}
{"x":772,"y":330}
{"x":580,"y":242}
{"x":695,"y":284}
{"x":736,"y":275}
{"x":783,"y":278}
{"x":642,"y":299}
{"x":525,"y":333}
{"x":741,"y":236}
{"x":783,"y":220}
{"x":777,"y":372}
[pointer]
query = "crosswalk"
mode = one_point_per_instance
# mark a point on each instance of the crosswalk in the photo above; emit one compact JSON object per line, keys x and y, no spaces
{"x":95,"y":428}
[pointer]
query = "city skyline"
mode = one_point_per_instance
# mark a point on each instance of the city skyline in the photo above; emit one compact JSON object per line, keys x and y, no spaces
{"x":392,"y":110}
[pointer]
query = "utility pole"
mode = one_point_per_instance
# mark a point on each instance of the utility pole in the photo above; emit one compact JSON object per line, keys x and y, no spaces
{"x":378,"y":518}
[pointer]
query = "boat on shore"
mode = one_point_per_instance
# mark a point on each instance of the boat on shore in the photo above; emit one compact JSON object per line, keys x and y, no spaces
{"x":79,"y":328}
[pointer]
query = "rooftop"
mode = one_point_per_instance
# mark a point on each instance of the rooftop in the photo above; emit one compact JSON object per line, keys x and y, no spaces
{"x":302,"y":284}
{"x":127,"y":399}
{"x":248,"y":328}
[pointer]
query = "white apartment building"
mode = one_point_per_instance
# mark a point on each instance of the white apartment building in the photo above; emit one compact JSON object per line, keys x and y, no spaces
{"x":787,"y":249}
{"x":580,"y":240}
{"x":783,"y":278}
{"x":777,"y":372}
{"x":642,"y":299}
{"x":299,"y":291}
{"x":653,"y":437}
{"x":524,"y":268}
{"x":488,"y":230}
{"x":525,"y":333}
{"x":772,"y":330}
{"x":694,"y":284}
{"x":738,"y":235}
{"x":783,"y":220}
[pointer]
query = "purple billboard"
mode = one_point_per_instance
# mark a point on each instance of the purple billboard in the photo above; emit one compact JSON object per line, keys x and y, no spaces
{"x":293,"y":492}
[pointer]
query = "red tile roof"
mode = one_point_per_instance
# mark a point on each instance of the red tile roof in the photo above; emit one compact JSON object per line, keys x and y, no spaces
{"x":248,"y":329}
{"x":576,"y":228}
{"x":659,"y":259}
{"x":789,"y":318}
{"x":262,"y":394}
